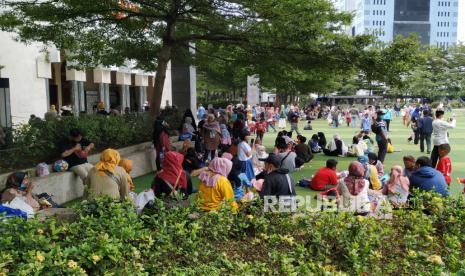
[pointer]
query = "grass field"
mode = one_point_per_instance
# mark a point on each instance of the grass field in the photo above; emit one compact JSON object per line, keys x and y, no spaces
{"x":398,"y":135}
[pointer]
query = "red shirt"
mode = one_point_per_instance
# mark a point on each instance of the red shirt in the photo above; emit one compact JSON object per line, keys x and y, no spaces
{"x":323,"y":177}
{"x":445,"y":167}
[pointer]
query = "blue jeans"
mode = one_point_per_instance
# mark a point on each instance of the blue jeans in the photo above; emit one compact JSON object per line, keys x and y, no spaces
{"x":353,"y":121}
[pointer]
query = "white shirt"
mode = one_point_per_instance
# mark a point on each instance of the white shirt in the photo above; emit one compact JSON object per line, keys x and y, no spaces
{"x":440,"y":128}
{"x":242,"y":149}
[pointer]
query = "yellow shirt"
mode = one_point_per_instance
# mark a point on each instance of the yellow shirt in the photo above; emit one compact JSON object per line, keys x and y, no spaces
{"x":213,"y":197}
{"x":374,"y":180}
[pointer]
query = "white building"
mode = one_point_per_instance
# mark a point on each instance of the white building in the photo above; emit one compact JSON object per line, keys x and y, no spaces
{"x":434,"y":21}
{"x":34,"y":76}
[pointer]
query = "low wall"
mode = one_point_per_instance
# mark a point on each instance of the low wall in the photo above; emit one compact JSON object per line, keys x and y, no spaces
{"x":66,"y":186}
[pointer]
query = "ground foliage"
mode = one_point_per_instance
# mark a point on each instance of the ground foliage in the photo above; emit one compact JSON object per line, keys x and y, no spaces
{"x":110,"y":238}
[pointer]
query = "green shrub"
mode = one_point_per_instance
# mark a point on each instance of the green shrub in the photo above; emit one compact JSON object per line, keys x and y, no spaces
{"x":109,"y":238}
{"x":30,"y":144}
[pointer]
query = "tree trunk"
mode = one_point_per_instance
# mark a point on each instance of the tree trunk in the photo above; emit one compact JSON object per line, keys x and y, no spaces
{"x":163,"y":58}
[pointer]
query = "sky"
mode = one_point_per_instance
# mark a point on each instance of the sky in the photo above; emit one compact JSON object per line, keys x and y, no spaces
{"x":461,"y":27}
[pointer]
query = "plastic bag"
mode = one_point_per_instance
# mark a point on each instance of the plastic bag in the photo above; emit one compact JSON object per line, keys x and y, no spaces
{"x":142,"y":199}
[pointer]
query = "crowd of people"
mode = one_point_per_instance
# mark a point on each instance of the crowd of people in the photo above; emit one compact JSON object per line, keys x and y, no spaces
{"x":223,"y":148}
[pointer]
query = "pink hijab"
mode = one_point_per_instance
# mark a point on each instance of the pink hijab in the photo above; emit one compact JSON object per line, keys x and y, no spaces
{"x":396,"y":177}
{"x":355,"y":181}
{"x":217,"y":167}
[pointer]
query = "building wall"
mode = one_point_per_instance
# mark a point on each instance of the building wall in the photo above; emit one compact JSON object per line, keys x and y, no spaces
{"x":437,"y":21}
{"x":27,"y":90}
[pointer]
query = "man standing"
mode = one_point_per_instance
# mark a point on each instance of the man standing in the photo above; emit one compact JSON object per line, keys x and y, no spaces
{"x":75,"y":151}
{"x":425,"y":128}
{"x":379,"y":128}
{"x":440,"y":136}
{"x":294,"y":120}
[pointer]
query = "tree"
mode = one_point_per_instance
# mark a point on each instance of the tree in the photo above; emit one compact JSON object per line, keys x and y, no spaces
{"x":151,"y":32}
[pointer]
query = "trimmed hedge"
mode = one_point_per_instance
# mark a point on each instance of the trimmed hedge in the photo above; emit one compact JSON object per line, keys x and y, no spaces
{"x":29,"y":144}
{"x":109,"y":238}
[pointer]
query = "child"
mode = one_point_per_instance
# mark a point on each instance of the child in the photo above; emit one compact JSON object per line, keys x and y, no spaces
{"x":261,"y":128}
{"x":356,"y":149}
{"x":314,"y":146}
{"x":244,"y":153}
{"x":444,"y":164}
{"x":369,"y":142}
{"x":127,"y":164}
{"x":308,"y":126}
{"x":373,"y":160}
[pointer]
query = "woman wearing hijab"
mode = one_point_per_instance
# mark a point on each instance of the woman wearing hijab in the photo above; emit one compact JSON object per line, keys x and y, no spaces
{"x":127,"y":165}
{"x":214,"y":187}
{"x":397,"y":187}
{"x":18,"y":185}
{"x":337,"y":147}
{"x":172,"y":178}
{"x":211,"y":134}
{"x":322,"y":140}
{"x":107,"y":178}
{"x":161,"y":140}
{"x":353,"y":191}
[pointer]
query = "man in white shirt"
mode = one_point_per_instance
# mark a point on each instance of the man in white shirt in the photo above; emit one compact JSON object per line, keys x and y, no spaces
{"x":440,"y":135}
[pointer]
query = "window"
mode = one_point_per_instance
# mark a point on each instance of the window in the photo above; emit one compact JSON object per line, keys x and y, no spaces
{"x":5,"y":111}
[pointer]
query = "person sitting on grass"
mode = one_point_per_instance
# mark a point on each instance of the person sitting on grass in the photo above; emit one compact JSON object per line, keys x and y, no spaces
{"x":185,"y":134}
{"x":426,"y":178}
{"x":353,"y":191}
{"x":373,"y":160}
{"x":314,"y":146}
{"x":322,"y":140}
{"x":127,"y":165}
{"x":337,"y":147}
{"x":238,"y":179}
{"x":371,"y":173}
{"x":287,"y":156}
{"x":326,"y":177}
{"x":302,"y":150}
{"x":277,"y":181}
{"x":444,"y":165}
{"x":409,"y":165}
{"x":368,"y":141}
{"x":172,"y":179}
{"x":107,"y":178}
{"x":357,"y":148}
{"x":397,"y":187}
{"x":214,"y":187}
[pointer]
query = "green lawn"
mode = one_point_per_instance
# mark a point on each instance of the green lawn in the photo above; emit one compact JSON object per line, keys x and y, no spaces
{"x":398,"y":135}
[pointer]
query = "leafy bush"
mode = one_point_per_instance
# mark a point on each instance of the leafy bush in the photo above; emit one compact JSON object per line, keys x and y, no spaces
{"x":29,"y":144}
{"x":109,"y":238}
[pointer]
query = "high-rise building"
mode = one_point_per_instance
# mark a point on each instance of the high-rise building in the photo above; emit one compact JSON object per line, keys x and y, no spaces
{"x":434,"y":21}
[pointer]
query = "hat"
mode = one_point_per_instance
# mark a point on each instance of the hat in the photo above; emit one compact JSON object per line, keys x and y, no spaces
{"x":288,"y":139}
{"x":274,"y":160}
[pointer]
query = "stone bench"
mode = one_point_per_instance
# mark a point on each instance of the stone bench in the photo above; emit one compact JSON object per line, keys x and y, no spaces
{"x":66,"y":186}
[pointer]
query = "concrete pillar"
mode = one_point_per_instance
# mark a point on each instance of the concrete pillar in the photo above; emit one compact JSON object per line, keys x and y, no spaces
{"x":141,"y":97}
{"x":75,"y":97}
{"x":104,"y":94}
{"x":184,"y":87}
{"x":125,"y":99}
{"x":82,"y":96}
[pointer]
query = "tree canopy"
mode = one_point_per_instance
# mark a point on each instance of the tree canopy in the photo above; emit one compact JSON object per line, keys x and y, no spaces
{"x":276,"y":39}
